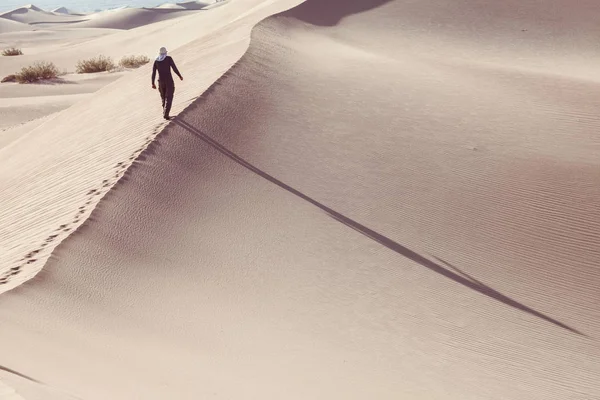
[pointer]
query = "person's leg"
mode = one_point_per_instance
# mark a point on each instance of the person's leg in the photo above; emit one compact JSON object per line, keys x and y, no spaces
{"x":162,"y":90}
{"x":169,"y":92}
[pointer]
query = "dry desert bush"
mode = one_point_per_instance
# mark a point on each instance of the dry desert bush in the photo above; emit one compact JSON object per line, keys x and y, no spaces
{"x":133,"y":61}
{"x":39,"y":71}
{"x":12,"y":51}
{"x":9,"y":78}
{"x":97,"y":64}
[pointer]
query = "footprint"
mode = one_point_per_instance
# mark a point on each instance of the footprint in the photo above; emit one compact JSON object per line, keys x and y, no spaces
{"x":31,"y":254}
{"x":91,"y":192}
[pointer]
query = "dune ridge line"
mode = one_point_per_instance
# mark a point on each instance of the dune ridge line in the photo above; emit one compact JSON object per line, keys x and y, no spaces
{"x":220,"y":49}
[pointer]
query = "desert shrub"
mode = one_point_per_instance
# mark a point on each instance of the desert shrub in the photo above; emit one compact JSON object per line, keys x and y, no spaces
{"x":9,"y":78}
{"x":133,"y":61}
{"x":12,"y":52}
{"x":98,"y":64}
{"x":38,"y":71}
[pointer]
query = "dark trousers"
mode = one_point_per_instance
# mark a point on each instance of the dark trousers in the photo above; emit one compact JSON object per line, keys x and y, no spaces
{"x":167,"y":90}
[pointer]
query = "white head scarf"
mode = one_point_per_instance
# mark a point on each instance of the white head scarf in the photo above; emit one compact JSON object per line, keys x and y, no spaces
{"x":162,"y":54}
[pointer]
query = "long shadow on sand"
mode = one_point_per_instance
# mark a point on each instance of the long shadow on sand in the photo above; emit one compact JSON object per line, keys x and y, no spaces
{"x":12,"y":371}
{"x":330,"y":12}
{"x":443,"y":268}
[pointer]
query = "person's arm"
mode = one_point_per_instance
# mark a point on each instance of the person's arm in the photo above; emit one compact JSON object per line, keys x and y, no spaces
{"x":175,"y":69}
{"x":154,"y":68}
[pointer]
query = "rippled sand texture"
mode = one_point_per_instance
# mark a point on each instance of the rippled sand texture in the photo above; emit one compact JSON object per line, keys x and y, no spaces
{"x":380,"y":200}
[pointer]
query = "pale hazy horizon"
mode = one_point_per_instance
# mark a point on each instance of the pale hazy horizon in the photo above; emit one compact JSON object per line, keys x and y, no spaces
{"x":80,"y":5}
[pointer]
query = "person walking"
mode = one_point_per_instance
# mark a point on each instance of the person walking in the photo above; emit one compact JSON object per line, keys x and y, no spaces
{"x":166,"y":85}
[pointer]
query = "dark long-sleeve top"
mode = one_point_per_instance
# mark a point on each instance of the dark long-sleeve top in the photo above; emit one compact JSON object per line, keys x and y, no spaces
{"x":164,"y":70}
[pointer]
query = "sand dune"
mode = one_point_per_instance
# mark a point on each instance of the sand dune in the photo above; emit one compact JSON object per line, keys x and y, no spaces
{"x":66,"y":46}
{"x":372,"y":203}
{"x":7,"y":25}
{"x":20,"y":103}
{"x":64,"y":10}
{"x":201,"y":5}
{"x":120,"y":18}
{"x":13,"y":133}
{"x":33,"y":15}
{"x":193,"y":5}
{"x":8,"y":393}
{"x":129,"y":18}
{"x":171,"y":6}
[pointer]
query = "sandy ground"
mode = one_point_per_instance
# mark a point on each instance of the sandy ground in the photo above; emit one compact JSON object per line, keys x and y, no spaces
{"x":381,"y":199}
{"x":66,"y":39}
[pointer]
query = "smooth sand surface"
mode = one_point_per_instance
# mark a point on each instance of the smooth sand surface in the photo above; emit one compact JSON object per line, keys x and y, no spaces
{"x":9,"y":135}
{"x":19,"y":103}
{"x":8,"y":25}
{"x":381,"y":199}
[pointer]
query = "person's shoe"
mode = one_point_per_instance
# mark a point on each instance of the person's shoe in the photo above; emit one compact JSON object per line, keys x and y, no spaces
{"x":167,"y":117}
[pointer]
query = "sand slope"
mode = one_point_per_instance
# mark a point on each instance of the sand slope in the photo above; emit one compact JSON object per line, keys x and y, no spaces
{"x":348,"y":213}
{"x":119,"y":116}
{"x":8,"y":25}
{"x":20,"y":103}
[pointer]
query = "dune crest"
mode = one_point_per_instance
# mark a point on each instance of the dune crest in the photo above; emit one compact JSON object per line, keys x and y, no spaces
{"x":64,"y":10}
{"x":19,"y":260}
{"x":380,"y":200}
{"x":33,"y":15}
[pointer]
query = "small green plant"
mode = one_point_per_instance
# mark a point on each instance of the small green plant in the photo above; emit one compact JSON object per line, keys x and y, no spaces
{"x":12,"y":52}
{"x":39,"y":71}
{"x":133,"y":61}
{"x":98,"y":64}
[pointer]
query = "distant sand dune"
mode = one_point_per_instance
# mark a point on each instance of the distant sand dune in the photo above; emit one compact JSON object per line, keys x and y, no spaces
{"x":201,"y":5}
{"x":129,"y":18}
{"x":8,"y":25}
{"x":35,"y":15}
{"x":379,"y":200}
{"x":171,"y":6}
{"x":64,"y":10}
